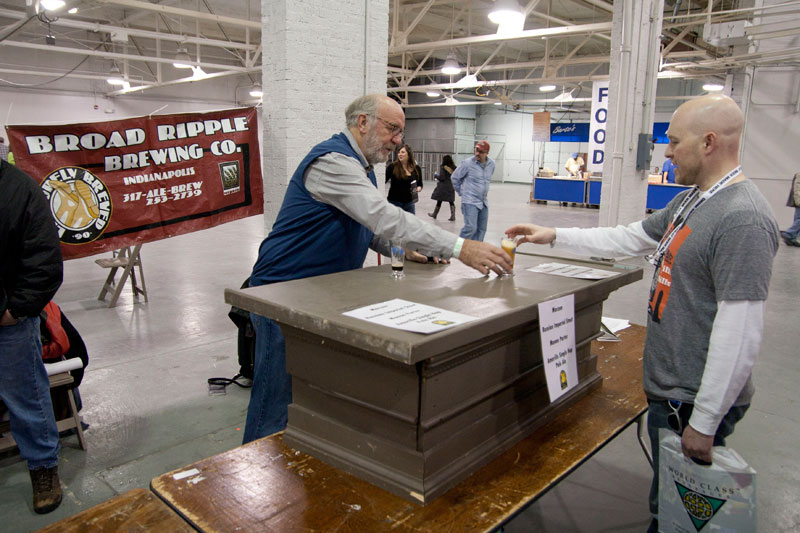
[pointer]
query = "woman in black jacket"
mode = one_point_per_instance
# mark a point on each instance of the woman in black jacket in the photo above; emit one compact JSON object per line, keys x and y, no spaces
{"x":406,"y":180}
{"x":444,"y":188}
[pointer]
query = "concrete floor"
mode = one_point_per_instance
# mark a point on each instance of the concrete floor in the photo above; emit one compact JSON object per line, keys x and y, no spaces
{"x":146,"y":398}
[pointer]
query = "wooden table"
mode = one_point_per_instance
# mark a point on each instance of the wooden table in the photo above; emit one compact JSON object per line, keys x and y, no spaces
{"x":266,"y":486}
{"x":136,"y":510}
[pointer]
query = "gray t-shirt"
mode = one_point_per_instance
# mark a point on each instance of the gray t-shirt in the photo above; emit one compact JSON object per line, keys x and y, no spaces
{"x":724,"y":252}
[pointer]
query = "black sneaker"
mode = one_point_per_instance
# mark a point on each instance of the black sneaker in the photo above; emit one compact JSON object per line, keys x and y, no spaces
{"x":46,"y":489}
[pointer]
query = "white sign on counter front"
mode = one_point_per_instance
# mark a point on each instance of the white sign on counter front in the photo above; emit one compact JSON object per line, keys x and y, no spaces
{"x":557,"y":329}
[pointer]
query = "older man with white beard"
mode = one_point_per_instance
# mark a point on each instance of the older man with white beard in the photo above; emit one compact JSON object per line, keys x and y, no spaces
{"x":331,"y":215}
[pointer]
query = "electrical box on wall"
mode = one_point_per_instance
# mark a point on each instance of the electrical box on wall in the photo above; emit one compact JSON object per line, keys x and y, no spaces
{"x":644,"y":150}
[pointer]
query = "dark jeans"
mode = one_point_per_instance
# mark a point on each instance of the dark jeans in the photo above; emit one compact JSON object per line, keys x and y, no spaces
{"x":410,"y":206}
{"x":271,"y":394}
{"x":25,"y":390}
{"x":657,"y":415}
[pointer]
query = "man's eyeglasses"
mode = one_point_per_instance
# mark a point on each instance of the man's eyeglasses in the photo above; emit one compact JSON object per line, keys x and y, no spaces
{"x":394,"y":129}
{"x":480,"y":152}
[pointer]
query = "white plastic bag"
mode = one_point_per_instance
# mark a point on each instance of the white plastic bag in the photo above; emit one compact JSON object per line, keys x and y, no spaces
{"x":693,"y":498}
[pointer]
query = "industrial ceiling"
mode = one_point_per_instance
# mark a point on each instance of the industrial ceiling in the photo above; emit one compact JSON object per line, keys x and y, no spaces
{"x":563,"y":42}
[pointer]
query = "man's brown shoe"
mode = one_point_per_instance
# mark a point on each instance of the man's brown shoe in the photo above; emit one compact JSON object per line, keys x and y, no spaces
{"x":46,"y":489}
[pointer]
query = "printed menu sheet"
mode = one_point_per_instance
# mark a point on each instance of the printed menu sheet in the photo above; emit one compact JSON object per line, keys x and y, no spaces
{"x":410,"y":316}
{"x":572,"y":271}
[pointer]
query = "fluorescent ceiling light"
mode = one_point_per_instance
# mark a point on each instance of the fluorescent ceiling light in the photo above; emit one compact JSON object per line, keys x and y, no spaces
{"x":182,"y":59}
{"x":507,"y":11}
{"x":433,"y":94}
{"x":451,"y":66}
{"x":547,"y":88}
{"x":73,"y":11}
{"x":51,"y":5}
{"x":256,"y":91}
{"x":497,"y":103}
{"x":712,"y":87}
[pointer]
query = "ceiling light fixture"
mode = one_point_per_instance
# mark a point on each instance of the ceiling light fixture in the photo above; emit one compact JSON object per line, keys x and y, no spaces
{"x":182,"y":58}
{"x":712,"y":87}
{"x":115,"y":76}
{"x":507,"y":12}
{"x":565,"y":96}
{"x":451,"y":65}
{"x":508,"y":29}
{"x":73,"y":11}
{"x":470,"y":80}
{"x":433,"y":94}
{"x":546,"y":88}
{"x":256,"y":91}
{"x":52,"y":5}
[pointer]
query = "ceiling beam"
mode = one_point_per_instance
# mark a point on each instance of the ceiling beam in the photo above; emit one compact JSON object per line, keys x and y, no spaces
{"x":180,"y":81}
{"x":113,"y":55}
{"x":138,"y":4}
{"x":598,"y":27}
{"x":90,"y":26}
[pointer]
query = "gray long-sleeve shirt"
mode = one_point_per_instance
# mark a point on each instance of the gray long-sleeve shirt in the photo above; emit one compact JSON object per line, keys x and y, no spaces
{"x":338,"y":180}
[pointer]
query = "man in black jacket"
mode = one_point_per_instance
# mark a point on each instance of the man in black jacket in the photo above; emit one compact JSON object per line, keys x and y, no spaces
{"x":30,"y":274}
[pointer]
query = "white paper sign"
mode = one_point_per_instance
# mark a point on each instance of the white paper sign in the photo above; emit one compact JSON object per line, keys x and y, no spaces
{"x":557,"y":329}
{"x":572,"y":271}
{"x":409,"y":316}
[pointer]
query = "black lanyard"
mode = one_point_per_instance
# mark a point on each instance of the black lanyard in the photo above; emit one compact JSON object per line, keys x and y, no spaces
{"x":679,"y":220}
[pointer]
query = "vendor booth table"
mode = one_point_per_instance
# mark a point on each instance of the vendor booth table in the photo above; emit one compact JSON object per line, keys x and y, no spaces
{"x":587,"y":191}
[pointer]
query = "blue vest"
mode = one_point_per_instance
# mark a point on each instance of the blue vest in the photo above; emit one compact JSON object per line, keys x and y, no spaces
{"x":310,"y":238}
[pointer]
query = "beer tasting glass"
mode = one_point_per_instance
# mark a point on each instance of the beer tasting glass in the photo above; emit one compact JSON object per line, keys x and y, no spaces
{"x":510,"y":247}
{"x":398,"y":258}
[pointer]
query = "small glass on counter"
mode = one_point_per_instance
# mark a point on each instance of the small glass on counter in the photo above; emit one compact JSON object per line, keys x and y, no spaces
{"x":398,"y":259}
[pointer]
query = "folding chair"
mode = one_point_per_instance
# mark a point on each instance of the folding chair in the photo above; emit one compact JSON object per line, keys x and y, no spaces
{"x":126,"y":259}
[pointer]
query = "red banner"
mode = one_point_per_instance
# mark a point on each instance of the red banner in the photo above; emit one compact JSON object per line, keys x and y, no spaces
{"x":115,"y":184}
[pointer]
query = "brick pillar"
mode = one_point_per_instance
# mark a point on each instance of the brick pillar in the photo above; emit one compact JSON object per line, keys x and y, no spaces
{"x":317,"y":57}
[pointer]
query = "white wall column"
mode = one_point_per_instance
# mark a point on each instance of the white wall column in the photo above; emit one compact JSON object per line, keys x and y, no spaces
{"x":317,"y":57}
{"x":632,"y":90}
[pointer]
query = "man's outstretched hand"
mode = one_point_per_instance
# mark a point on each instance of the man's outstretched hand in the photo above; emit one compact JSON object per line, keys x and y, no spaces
{"x":413,"y":255}
{"x":532,"y":233}
{"x":484,"y":257}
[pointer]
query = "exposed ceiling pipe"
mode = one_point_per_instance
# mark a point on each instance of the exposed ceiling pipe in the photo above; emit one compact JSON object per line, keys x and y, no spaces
{"x":138,"y":4}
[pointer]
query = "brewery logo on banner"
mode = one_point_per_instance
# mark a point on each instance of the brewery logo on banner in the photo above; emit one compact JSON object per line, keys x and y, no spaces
{"x":229,"y":174}
{"x":597,"y":126}
{"x":79,"y":202}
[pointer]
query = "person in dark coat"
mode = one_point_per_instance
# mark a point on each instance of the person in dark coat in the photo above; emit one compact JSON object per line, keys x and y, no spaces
{"x":444,"y":191}
{"x":406,"y":180}
{"x":30,"y":273}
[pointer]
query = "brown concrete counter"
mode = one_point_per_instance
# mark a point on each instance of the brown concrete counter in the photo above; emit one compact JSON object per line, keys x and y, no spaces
{"x":414,"y":413}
